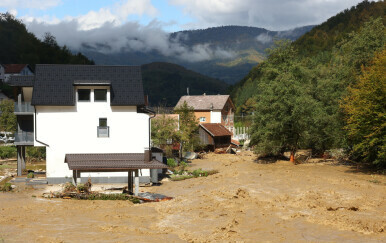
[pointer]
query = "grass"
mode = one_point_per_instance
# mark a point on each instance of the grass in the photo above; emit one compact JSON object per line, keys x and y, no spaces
{"x":375,"y":181}
{"x":194,"y":174}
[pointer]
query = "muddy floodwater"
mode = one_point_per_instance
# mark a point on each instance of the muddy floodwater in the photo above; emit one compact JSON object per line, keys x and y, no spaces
{"x":244,"y":202}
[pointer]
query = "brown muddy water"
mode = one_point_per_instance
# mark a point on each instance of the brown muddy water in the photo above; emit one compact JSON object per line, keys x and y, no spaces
{"x":244,"y":202}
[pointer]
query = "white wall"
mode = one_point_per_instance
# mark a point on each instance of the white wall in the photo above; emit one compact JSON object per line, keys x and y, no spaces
{"x":73,"y":129}
{"x":215,"y":117}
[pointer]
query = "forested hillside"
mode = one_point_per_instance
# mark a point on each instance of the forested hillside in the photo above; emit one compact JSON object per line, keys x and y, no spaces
{"x":166,"y":83}
{"x":17,"y":45}
{"x":226,"y":52}
{"x":300,"y":97}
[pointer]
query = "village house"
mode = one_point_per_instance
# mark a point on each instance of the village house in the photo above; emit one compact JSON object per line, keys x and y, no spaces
{"x":8,"y":70}
{"x":92,"y":120}
{"x":211,"y":109}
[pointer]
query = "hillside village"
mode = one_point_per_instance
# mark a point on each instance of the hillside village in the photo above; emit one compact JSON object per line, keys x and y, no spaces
{"x":294,"y":151}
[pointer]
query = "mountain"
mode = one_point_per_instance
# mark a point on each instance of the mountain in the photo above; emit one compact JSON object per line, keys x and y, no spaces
{"x":232,"y":50}
{"x":317,"y":43}
{"x":165,"y":83}
{"x":20,"y":46}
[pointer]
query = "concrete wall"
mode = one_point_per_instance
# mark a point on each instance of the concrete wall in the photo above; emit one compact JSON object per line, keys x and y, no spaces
{"x":73,"y":129}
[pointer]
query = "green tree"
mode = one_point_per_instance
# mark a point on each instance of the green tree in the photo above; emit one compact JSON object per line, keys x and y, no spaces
{"x":188,"y":127}
{"x":163,"y":128}
{"x":365,"y":107}
{"x":284,"y":107}
{"x":7,"y":117}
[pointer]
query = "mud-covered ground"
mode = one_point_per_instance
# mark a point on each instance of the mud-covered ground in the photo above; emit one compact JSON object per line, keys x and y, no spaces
{"x":244,"y":202}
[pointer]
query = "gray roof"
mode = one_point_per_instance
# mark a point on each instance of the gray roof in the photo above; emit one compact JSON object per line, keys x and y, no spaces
{"x":204,"y":102}
{"x":111,"y":162}
{"x":21,"y":81}
{"x":54,"y":84}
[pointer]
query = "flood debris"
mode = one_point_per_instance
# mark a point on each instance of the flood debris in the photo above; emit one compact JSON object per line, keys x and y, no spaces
{"x":153,"y":197}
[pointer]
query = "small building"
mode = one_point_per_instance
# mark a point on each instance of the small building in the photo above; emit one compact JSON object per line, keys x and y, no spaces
{"x":15,"y":69}
{"x":211,"y":109}
{"x":92,"y":120}
{"x":214,"y":135}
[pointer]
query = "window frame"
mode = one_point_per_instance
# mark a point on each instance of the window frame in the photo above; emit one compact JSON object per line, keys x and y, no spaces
{"x":99,"y":127}
{"x":203,"y":119}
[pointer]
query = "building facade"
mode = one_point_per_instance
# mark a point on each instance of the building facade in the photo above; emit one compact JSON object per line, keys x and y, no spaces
{"x":211,"y":109}
{"x":91,"y":119}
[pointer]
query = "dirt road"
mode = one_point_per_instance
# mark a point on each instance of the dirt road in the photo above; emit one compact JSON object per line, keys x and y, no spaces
{"x":244,"y":202}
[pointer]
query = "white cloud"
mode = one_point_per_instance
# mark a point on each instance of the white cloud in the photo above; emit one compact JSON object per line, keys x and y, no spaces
{"x":272,"y":14}
{"x":131,"y":36}
{"x":31,"y":4}
{"x":264,"y":38}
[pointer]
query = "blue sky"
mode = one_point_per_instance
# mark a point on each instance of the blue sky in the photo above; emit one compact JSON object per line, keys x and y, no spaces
{"x":170,"y":15}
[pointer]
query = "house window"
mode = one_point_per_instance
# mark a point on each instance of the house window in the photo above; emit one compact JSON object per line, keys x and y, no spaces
{"x":84,"y":94}
{"x":103,"y":129}
{"x":100,"y":94}
{"x":202,"y":119}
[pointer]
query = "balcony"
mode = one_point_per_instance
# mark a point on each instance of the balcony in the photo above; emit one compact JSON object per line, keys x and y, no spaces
{"x":24,"y":108}
{"x":24,"y":138}
{"x":103,"y":132}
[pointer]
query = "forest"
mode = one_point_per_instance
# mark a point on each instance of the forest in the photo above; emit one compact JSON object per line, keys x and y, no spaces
{"x":327,"y":90}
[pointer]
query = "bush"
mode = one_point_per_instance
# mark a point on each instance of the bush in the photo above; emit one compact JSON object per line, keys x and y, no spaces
{"x":36,"y":153}
{"x":171,"y":163}
{"x":6,"y":187}
{"x":7,"y":152}
{"x":31,"y":175}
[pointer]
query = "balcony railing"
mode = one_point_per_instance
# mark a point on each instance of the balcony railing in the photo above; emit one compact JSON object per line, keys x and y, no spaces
{"x":24,"y":108}
{"x":24,"y":138}
{"x":103,"y":132}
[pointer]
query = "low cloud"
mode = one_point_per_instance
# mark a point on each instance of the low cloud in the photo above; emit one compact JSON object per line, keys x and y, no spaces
{"x":273,"y":14}
{"x":264,"y":38}
{"x":128,"y":37}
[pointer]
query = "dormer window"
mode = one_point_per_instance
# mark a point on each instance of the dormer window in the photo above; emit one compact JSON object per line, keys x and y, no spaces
{"x":84,"y":94}
{"x":100,"y":95}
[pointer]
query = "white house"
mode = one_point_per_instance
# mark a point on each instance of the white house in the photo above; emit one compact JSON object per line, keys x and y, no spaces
{"x":92,"y":120}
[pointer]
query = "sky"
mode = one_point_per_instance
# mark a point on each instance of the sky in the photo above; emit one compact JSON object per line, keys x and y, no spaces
{"x":145,"y":24}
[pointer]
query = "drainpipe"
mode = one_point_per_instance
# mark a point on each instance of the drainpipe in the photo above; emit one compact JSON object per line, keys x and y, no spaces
{"x":150,"y":117}
{"x":36,"y":133}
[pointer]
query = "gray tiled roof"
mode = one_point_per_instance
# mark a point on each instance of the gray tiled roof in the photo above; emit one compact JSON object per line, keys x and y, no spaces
{"x":123,"y":161}
{"x":204,"y":102}
{"x":54,"y":83}
{"x":21,"y":81}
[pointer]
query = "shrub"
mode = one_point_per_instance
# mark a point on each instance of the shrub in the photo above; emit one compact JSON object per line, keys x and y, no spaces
{"x":7,"y":152}
{"x":36,"y":153}
{"x":6,"y":187}
{"x":31,"y":175}
{"x":172,"y":163}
